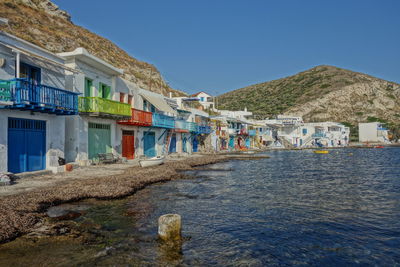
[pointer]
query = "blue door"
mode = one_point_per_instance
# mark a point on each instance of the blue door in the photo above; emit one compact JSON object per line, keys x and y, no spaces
{"x":195,"y":144}
{"x":172,"y":145}
{"x":248,"y":142}
{"x":150,"y":145}
{"x":231,"y":142}
{"x":26,"y":145}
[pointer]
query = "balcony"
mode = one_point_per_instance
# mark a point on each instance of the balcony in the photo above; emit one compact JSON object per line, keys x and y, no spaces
{"x":243,"y":131}
{"x":102,"y":107}
{"x":204,"y":129}
{"x":252,"y":132}
{"x":138,"y":118}
{"x":163,"y":121}
{"x":318,"y":135}
{"x":232,"y":131}
{"x":186,"y":126}
{"x":181,"y":126}
{"x":23,"y":95}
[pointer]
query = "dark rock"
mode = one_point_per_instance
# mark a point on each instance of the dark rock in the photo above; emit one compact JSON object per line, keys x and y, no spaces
{"x":7,"y":179}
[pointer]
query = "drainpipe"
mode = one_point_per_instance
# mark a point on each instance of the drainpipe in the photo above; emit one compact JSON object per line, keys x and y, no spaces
{"x":17,"y":59}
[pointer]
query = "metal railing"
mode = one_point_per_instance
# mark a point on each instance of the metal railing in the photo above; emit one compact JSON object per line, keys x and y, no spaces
{"x":252,"y":132}
{"x":318,"y":135}
{"x":139,"y":117}
{"x":89,"y":104}
{"x":163,"y":121}
{"x":38,"y":97}
{"x":204,"y":129}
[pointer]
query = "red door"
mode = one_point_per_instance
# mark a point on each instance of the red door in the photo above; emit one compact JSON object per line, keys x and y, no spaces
{"x":128,"y":144}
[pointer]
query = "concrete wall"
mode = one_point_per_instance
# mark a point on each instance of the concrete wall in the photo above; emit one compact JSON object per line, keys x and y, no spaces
{"x":54,"y":136}
{"x":77,"y":137}
{"x":51,"y":74}
{"x":367,"y":132}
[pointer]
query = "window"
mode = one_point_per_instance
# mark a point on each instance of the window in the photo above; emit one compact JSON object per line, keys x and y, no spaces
{"x":122,"y":97}
{"x":304,"y":131}
{"x":145,"y":105}
{"x":104,"y":91}
{"x":30,"y":73}
{"x":88,"y":87}
{"x":202,"y":99}
{"x":130,"y":99}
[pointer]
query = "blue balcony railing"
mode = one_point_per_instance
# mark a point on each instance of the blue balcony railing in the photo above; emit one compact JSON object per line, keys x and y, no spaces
{"x":186,"y":125}
{"x":318,"y":135}
{"x":163,"y":121}
{"x":42,"y":98}
{"x":252,"y":132}
{"x":204,"y":129}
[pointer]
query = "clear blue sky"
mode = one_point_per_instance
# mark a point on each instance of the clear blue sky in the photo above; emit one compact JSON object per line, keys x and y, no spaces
{"x":221,"y":45}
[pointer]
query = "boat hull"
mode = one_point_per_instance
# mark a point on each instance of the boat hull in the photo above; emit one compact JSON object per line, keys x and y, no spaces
{"x":321,"y":151}
{"x":151,"y":161}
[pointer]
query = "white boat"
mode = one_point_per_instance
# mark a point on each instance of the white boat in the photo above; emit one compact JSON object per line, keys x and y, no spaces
{"x":152,"y":161}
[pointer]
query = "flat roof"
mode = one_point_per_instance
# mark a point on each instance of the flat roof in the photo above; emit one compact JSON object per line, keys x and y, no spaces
{"x":83,"y":55}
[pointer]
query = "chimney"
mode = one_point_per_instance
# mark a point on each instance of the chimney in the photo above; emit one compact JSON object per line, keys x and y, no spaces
{"x":170,"y":94}
{"x":245,"y":109}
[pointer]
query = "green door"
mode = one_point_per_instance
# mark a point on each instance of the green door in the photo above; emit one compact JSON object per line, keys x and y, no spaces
{"x":104,"y":91}
{"x":99,"y":139}
{"x":88,"y":87}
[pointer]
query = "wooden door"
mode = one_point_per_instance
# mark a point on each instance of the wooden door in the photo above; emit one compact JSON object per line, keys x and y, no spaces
{"x":128,"y":144}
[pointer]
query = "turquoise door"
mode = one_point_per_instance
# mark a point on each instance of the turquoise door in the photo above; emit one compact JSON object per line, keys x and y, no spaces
{"x":184,"y":143}
{"x":99,"y":139}
{"x":172,"y":145}
{"x":232,"y":142}
{"x":150,"y":145}
{"x":248,"y":142}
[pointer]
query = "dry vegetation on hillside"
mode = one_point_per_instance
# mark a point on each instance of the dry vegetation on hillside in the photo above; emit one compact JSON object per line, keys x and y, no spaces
{"x":42,"y":23}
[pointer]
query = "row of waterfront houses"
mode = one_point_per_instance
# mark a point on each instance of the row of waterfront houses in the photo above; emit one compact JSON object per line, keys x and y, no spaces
{"x":73,"y":106}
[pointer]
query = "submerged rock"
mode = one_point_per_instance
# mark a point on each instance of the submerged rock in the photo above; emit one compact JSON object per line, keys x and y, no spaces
{"x":63,"y":213}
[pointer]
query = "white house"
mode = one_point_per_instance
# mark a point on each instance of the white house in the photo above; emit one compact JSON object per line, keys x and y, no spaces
{"x":94,"y":131}
{"x":373,"y":132}
{"x":34,"y":103}
{"x":206,"y":100}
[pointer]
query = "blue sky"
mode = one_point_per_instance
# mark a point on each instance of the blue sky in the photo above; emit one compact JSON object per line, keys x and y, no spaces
{"x":221,"y":45}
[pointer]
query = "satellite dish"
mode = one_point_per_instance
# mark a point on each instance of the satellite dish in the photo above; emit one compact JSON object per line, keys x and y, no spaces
{"x":2,"y":62}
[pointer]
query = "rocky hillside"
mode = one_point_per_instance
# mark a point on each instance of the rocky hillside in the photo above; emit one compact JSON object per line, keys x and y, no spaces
{"x":320,"y":94}
{"x":44,"y":24}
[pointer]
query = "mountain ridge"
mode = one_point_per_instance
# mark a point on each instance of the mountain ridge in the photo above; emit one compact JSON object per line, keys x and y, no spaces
{"x":321,"y":93}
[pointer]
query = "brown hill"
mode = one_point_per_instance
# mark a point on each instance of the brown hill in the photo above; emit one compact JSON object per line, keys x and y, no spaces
{"x":44,"y":24}
{"x":320,"y":94}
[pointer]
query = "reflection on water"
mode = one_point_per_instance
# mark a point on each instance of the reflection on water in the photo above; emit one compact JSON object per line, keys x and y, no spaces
{"x":294,"y":208}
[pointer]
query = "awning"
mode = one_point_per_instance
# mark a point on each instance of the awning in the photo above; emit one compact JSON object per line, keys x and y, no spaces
{"x":159,"y":103}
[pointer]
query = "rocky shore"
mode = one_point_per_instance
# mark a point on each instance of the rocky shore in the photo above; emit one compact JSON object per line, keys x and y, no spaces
{"x":21,"y":212}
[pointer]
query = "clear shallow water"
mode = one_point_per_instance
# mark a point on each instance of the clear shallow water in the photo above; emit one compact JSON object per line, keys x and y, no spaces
{"x":295,"y":208}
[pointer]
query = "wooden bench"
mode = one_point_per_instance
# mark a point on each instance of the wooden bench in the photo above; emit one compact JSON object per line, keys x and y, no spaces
{"x":107,"y":158}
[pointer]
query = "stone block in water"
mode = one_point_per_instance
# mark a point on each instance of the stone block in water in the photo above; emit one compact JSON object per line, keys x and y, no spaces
{"x":169,"y":227}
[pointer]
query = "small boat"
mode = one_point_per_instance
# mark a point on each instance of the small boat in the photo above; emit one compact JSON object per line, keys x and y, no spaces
{"x":321,"y":151}
{"x":378,"y":146}
{"x":152,"y":161}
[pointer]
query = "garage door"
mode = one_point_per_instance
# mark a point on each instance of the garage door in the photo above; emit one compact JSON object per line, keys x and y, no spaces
{"x":99,"y":139}
{"x":26,"y":145}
